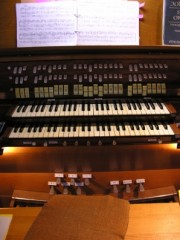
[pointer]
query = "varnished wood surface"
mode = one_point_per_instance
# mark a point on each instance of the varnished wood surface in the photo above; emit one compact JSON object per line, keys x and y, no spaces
{"x":146,"y":221}
{"x":150,"y":25}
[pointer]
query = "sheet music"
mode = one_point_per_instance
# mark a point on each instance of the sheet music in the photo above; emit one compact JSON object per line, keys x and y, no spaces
{"x":105,"y":22}
{"x":46,"y":24}
{"x":81,"y":22}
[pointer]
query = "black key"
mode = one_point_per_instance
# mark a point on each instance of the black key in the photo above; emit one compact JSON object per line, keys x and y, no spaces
{"x":51,"y":107}
{"x":147,"y":105}
{"x":128,"y":105}
{"x":32,"y":108}
{"x":120,"y":105}
{"x":107,"y":106}
{"x":24,"y":108}
{"x":160,"y":104}
{"x":139,"y":105}
{"x":115,"y":106}
{"x":152,"y":104}
{"x":37,"y":108}
{"x":102,"y":106}
{"x":69,"y":107}
{"x":56,"y":107}
{"x":64,"y":107}
{"x":55,"y":128}
{"x":30,"y":128}
{"x":42,"y":108}
{"x":75,"y":107}
{"x":89,"y":106}
{"x":19,"y":108}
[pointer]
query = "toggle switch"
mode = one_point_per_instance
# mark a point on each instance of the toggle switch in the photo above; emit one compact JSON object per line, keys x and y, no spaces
{"x":127,"y":184}
{"x":114,"y":184}
{"x":140,"y":182}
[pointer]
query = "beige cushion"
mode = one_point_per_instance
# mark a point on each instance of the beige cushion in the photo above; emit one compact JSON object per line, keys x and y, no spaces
{"x":81,"y":218}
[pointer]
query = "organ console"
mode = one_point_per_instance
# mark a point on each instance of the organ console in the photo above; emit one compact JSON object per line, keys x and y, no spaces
{"x":91,"y":120}
{"x":122,"y":96}
{"x":105,"y":115}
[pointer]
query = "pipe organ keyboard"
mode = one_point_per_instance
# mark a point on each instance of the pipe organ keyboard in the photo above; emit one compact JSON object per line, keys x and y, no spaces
{"x":89,"y":97}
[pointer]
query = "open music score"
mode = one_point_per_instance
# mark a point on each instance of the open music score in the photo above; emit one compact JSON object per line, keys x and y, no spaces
{"x":70,"y":23}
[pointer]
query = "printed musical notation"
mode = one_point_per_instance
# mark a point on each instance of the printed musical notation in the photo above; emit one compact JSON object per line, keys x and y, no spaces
{"x":46,"y":24}
{"x":81,"y":22}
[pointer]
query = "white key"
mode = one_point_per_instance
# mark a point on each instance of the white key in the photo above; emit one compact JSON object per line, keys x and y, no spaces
{"x":146,"y":131}
{"x":86,"y":112}
{"x":102,"y":132}
{"x":31,"y":133}
{"x":151,"y":131}
{"x":94,"y":129}
{"x":145,"y":109}
{"x":58,"y":112}
{"x":72,"y":112}
{"x":115,"y":131}
{"x":126,"y":131}
{"x":24,"y":133}
{"x":163,"y":130}
{"x":138,"y":110}
{"x":110,"y":111}
{"x":56,"y":133}
{"x":125,"y":110}
{"x":14,"y":134}
{"x":81,"y":132}
{"x":50,"y":132}
{"x":134,"y":111}
{"x":110,"y":132}
{"x":45,"y":132}
{"x":91,"y":111}
{"x":170,"y":130}
{"x":166,"y":111}
{"x":119,"y":110}
{"x":65,"y":133}
{"x":107,"y":132}
{"x":141,"y":130}
{"x":155,"y":130}
{"x":16,"y":113}
{"x":76,"y":133}
{"x":80,"y":111}
{"x":136,"y":131}
{"x":36,"y":134}
{"x":96,"y":112}
{"x":71,"y":132}
{"x":86,"y":132}
{"x":61,"y":133}
{"x":131,"y":131}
